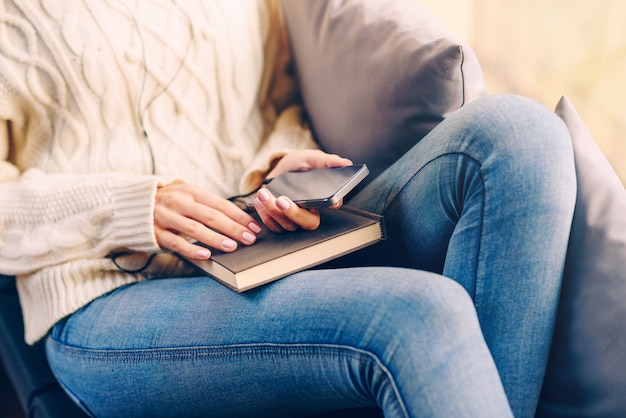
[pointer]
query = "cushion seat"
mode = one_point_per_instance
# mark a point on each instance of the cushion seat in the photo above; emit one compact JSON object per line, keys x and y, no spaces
{"x":26,"y":366}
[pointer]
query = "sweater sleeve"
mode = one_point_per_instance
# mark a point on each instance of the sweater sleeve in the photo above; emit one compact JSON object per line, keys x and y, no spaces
{"x":48,"y":219}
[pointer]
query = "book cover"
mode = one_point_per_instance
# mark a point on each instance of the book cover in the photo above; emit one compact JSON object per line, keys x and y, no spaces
{"x":274,"y":256}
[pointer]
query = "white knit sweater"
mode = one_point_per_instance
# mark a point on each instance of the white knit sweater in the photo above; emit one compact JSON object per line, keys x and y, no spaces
{"x":80,"y":82}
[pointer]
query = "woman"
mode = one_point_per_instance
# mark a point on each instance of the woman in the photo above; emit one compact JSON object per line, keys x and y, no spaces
{"x":128,"y":125}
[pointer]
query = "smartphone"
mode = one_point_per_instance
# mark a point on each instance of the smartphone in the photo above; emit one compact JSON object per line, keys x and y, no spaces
{"x":319,"y":187}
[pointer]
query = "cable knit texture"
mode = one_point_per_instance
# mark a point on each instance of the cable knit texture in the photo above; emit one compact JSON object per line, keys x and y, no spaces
{"x":103,"y":101}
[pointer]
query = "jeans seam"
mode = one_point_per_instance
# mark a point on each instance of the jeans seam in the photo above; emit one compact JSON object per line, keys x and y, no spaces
{"x":170,"y":353}
{"x":63,"y":386}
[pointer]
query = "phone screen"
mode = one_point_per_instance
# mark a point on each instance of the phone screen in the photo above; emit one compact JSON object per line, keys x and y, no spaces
{"x":319,"y":187}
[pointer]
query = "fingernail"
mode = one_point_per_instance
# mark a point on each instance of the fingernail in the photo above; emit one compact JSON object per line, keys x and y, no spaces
{"x":229,"y":243}
{"x":258,"y":204}
{"x":248,"y":237}
{"x":282,"y":203}
{"x":204,"y":253}
{"x":254,"y":227}
{"x":264,"y":195}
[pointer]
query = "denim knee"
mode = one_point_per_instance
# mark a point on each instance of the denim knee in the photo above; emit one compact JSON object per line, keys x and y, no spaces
{"x":522,"y":147}
{"x":428,"y":311}
{"x":517,"y":126}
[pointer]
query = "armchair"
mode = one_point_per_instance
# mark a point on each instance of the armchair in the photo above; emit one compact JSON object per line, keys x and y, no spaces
{"x":384,"y":74}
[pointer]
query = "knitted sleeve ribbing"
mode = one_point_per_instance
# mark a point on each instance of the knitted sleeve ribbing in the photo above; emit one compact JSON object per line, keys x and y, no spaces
{"x":48,"y":219}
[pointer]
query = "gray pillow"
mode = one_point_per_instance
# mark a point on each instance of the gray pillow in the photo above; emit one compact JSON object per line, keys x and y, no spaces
{"x":376,"y":76}
{"x":586,"y":374}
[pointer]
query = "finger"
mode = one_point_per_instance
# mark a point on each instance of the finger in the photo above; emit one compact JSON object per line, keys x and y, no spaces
{"x":207,"y":209}
{"x":336,"y":205}
{"x":178,"y":211}
{"x":232,"y":211}
{"x":285,"y":213}
{"x":224,"y":216}
{"x":173,"y":242}
{"x":308,"y":159}
{"x":183,"y":227}
{"x":305,"y":219}
{"x":320,"y":159}
{"x":271,"y":215}
{"x":200,"y":222}
{"x":267,"y":220}
{"x":328,"y":160}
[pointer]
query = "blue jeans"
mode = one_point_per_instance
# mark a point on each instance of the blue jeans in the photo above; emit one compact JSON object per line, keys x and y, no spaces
{"x":486,"y":199}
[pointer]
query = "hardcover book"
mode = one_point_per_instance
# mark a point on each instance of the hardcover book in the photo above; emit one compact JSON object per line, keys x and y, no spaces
{"x":275,"y":256}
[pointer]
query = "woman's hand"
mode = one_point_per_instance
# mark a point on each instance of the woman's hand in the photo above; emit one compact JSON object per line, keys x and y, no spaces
{"x":186,"y":211}
{"x":307,"y":159}
{"x":279,"y":213}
